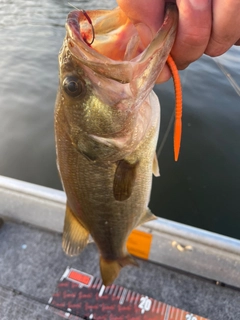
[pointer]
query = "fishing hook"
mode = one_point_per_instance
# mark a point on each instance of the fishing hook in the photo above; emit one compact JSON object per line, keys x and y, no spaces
{"x":90,"y":22}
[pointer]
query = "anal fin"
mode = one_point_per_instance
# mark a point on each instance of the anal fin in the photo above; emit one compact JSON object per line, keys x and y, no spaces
{"x":75,"y":236}
{"x":146,"y":217}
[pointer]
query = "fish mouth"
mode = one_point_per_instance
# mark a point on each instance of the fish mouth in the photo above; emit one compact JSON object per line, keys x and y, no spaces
{"x":85,"y":30}
{"x":74,"y":26}
{"x":108,"y":43}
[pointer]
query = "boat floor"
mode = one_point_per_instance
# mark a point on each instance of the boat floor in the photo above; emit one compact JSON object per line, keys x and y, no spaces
{"x":32,"y":262}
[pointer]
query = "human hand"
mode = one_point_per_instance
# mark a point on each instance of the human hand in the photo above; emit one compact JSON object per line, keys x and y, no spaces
{"x":205,"y":26}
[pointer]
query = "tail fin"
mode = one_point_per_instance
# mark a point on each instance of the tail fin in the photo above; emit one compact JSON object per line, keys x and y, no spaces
{"x":110,"y":268}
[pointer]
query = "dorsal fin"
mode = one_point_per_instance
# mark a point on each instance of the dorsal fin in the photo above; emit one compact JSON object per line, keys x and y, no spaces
{"x":75,"y":236}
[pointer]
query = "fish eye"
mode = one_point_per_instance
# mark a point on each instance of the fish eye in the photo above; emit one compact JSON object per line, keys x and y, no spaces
{"x":73,"y":86}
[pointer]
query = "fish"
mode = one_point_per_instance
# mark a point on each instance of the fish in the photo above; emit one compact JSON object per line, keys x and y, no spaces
{"x":107,"y":120}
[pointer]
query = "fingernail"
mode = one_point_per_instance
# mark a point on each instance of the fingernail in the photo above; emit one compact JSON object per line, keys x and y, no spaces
{"x":200,"y":4}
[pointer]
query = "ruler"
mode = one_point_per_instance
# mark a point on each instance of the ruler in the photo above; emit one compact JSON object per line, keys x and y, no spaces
{"x":80,"y":295}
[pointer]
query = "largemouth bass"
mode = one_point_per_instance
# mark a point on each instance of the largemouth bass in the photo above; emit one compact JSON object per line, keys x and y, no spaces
{"x":106,"y":127}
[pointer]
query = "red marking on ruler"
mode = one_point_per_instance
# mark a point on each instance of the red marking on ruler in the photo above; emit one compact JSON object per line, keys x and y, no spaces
{"x":80,"y":295}
{"x":80,"y":277}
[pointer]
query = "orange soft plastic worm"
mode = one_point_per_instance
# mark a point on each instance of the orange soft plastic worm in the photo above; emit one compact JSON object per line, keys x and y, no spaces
{"x":178,"y":107}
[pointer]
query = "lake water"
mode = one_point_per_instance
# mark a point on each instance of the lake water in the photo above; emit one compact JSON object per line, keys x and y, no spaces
{"x":202,"y":189}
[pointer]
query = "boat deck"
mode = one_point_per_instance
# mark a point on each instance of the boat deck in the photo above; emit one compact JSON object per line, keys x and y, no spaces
{"x":32,"y":262}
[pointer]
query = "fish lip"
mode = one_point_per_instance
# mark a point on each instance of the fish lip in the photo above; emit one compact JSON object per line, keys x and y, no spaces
{"x":169,"y":8}
{"x":74,"y":18}
{"x":73,"y":26}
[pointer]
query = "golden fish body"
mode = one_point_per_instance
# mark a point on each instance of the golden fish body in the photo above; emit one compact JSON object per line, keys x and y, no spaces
{"x":106,"y":128}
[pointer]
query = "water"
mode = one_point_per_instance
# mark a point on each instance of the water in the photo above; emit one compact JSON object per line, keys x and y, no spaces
{"x":200,"y":190}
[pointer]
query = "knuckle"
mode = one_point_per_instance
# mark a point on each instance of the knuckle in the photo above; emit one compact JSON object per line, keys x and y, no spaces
{"x":217,"y":47}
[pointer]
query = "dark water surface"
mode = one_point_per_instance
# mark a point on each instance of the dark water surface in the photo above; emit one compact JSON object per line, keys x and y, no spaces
{"x":202,"y":189}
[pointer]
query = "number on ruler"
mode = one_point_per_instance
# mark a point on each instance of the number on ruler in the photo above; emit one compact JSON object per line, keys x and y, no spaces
{"x":190,"y":317}
{"x":145,"y":304}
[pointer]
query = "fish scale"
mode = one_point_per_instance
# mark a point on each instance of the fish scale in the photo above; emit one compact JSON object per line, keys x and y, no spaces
{"x":80,"y":295}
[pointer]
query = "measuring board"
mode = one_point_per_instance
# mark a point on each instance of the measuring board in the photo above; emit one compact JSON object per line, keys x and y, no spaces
{"x":81,"y":296}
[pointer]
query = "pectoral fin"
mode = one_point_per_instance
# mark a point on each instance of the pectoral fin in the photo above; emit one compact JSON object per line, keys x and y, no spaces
{"x":124,"y":179}
{"x":155,"y":166}
{"x":75,"y":236}
{"x":146,"y":217}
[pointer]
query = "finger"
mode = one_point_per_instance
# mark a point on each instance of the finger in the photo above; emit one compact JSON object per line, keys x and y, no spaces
{"x":148,"y":12}
{"x":165,"y":75}
{"x":146,"y":15}
{"x":226,"y":26}
{"x":237,"y":43}
{"x":193,"y":31}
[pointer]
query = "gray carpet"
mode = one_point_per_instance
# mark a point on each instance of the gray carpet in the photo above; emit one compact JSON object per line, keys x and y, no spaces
{"x":32,"y":262}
